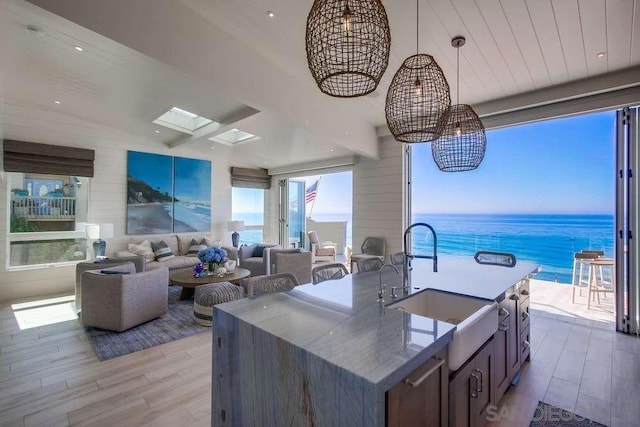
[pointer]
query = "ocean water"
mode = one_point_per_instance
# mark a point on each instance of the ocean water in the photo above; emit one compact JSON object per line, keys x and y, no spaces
{"x":549,"y":240}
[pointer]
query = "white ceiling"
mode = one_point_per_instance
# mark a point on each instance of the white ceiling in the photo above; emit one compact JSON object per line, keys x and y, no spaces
{"x":214,"y":56}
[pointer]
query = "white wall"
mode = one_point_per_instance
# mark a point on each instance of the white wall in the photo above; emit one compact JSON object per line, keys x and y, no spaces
{"x":107,"y":201}
{"x":378,"y":197}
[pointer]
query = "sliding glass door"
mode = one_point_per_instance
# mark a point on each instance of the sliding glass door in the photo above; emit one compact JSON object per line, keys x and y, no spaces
{"x":627,"y":222}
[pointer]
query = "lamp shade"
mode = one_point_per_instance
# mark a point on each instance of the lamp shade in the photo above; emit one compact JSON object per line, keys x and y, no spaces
{"x":418,"y":100}
{"x":99,"y":231}
{"x":235,"y":225}
{"x":348,"y":44}
{"x":463,"y":142}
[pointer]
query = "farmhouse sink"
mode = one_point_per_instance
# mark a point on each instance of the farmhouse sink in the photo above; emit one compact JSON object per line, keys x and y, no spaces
{"x":476,"y":319}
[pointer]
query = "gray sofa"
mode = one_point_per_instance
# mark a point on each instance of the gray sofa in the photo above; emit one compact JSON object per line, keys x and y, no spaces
{"x":118,"y":302}
{"x":257,"y":265}
{"x":179,"y":245}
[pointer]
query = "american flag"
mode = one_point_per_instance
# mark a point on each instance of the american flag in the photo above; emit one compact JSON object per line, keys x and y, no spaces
{"x":311,"y":193}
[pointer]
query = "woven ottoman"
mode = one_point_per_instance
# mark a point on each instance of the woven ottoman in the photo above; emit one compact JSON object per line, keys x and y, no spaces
{"x":206,"y":296}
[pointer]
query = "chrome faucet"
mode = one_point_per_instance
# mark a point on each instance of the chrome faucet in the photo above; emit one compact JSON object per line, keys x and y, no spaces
{"x":407,"y":254}
{"x":382,"y":286}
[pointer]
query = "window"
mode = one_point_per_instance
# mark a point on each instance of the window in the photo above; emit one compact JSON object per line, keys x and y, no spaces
{"x":247,"y":204}
{"x":46,"y":220}
{"x":544,"y":191}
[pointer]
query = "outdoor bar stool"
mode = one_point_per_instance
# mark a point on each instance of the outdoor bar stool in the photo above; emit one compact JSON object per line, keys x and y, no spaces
{"x":581,"y":263}
{"x":600,"y":285}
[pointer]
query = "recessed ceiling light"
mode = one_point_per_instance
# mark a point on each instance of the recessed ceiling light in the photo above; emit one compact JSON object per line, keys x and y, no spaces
{"x":270,"y":14}
{"x":57,"y":102}
{"x":213,"y":146}
{"x":79,"y":48}
{"x":601,"y":54}
{"x":157,"y":131}
{"x":332,"y":150}
{"x":266,"y":163}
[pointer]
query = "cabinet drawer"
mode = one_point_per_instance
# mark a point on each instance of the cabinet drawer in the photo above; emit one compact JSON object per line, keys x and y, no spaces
{"x":524,"y":289}
{"x":525,"y":344}
{"x":523,"y":314}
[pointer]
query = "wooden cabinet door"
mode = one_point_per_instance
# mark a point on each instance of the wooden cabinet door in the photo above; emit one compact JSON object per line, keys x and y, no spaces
{"x":502,"y":342}
{"x":461,"y":402}
{"x":421,"y":399}
{"x":483,"y":370}
{"x":514,"y":334}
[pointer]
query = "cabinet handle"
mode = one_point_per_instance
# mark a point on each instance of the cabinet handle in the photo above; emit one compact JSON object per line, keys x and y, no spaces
{"x":514,"y":297}
{"x":524,"y":292}
{"x":503,"y":312}
{"x":474,"y":390}
{"x":525,"y":344}
{"x":524,"y":315}
{"x":427,"y":374}
{"x":503,"y":328}
{"x":481,"y":379}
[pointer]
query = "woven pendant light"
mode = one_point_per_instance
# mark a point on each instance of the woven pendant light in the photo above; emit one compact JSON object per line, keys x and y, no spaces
{"x":348,"y":44}
{"x":418,"y":99}
{"x":464,"y":141}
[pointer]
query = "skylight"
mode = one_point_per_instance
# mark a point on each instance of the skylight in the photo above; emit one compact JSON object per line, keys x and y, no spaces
{"x":182,"y":120}
{"x":234,"y":137}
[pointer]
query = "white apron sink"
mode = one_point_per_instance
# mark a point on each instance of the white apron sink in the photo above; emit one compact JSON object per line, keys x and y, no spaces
{"x":476,"y":319}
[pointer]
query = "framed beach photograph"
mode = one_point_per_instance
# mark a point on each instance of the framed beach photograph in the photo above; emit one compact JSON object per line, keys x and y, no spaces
{"x":149,"y":193}
{"x":192,"y":195}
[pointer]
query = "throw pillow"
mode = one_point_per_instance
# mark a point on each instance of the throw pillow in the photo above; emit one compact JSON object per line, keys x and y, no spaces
{"x":113,"y":272}
{"x":162,"y":251}
{"x":196,"y":247}
{"x":258,"y":251}
{"x":143,"y":249}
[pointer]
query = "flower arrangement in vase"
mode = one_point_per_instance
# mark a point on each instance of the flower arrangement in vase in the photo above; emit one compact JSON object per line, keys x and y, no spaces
{"x":213,"y":256}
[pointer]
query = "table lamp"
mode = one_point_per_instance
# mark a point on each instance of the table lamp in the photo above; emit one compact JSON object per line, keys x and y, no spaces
{"x":98,"y":232}
{"x":235,"y":226}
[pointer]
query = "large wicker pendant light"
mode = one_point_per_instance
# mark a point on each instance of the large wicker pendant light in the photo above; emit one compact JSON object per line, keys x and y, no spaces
{"x":464,"y":141}
{"x":348,"y":44}
{"x":418,"y":99}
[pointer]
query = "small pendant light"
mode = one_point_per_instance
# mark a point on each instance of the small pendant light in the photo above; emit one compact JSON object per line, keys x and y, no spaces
{"x":348,"y":44}
{"x":464,"y":141}
{"x":418,"y":99}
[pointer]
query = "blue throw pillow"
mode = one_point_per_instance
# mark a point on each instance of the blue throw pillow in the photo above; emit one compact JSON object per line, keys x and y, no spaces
{"x":113,"y":272}
{"x":258,"y":251}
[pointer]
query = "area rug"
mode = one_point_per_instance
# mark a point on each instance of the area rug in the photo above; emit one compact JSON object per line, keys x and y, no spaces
{"x":550,"y":416}
{"x":177,"y":323}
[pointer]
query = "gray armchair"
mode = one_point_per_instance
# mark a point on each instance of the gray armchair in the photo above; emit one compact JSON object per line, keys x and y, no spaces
{"x":372,"y":247}
{"x":255,"y":258}
{"x":118,"y":302}
{"x":294,"y":261}
{"x":137,"y":260}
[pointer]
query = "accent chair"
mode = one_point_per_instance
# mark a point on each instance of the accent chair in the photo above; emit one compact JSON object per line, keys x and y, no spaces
{"x":256,"y":257}
{"x":372,"y":247}
{"x":333,"y":271}
{"x":321,"y":251}
{"x":294,"y":261}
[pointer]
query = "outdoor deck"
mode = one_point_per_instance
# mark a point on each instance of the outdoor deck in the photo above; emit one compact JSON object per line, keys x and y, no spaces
{"x":554,"y":300}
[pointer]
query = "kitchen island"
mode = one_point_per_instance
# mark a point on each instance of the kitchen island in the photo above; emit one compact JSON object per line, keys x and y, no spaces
{"x":327,"y":354}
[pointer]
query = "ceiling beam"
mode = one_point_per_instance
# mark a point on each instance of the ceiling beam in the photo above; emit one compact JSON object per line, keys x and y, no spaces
{"x":226,"y":122}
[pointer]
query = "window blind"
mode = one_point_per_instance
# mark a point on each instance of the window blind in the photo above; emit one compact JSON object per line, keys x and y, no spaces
{"x":30,"y":157}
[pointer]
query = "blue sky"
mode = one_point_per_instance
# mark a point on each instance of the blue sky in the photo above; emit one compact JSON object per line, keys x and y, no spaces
{"x":557,"y":166}
{"x":154,"y":169}
{"x":193,"y":179}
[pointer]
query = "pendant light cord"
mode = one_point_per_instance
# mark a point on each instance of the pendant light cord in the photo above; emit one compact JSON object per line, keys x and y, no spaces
{"x":417,"y":26}
{"x":458,"y":76}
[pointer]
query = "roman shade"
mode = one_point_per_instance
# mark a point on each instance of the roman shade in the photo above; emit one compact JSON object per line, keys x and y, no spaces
{"x":250,"y":178}
{"x":29,"y":157}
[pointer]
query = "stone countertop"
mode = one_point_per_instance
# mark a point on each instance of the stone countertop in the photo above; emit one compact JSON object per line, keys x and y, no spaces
{"x":341,"y":322}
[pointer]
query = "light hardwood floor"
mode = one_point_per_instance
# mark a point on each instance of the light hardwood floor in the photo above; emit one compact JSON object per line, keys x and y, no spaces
{"x":51,"y":376}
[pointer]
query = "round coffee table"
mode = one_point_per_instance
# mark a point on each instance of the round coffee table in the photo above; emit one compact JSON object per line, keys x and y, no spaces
{"x":184,"y":277}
